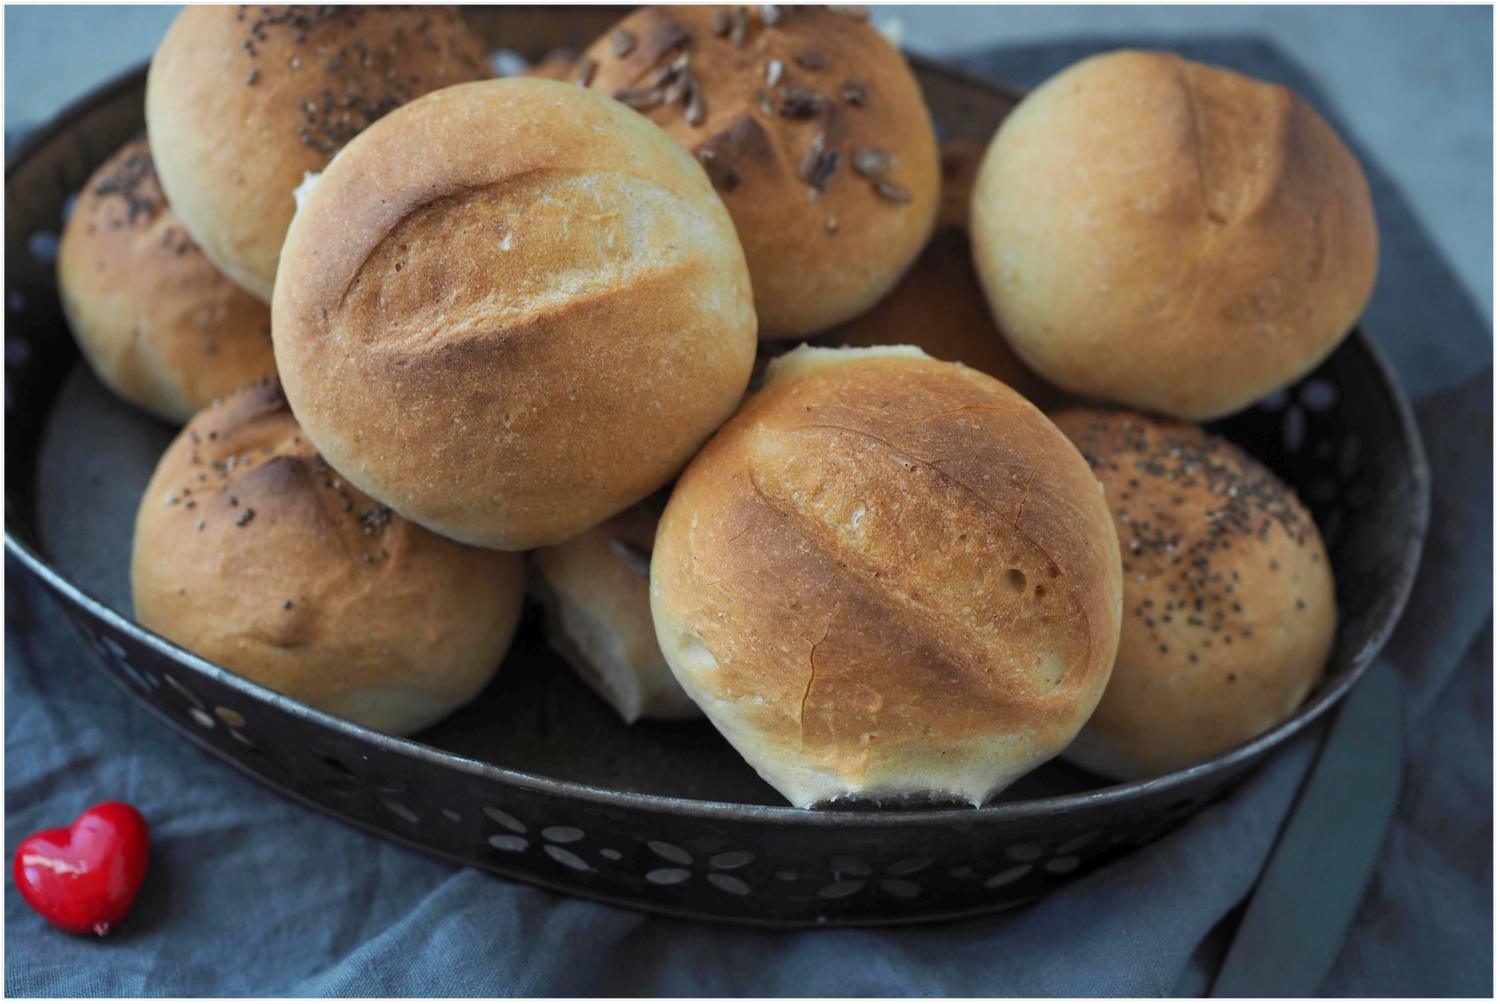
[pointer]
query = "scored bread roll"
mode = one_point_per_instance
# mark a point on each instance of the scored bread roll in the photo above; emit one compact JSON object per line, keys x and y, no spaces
{"x":596,"y":588}
{"x":241,"y":102}
{"x":888,"y":577}
{"x":253,"y":553}
{"x":939,"y":306}
{"x":815,"y":133}
{"x":1229,"y":598}
{"x":511,"y":309}
{"x":1171,"y":235}
{"x":156,"y":321}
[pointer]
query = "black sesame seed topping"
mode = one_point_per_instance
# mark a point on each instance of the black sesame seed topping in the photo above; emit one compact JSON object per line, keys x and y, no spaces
{"x":375,"y":518}
{"x":1161,"y":464}
{"x":133,"y":179}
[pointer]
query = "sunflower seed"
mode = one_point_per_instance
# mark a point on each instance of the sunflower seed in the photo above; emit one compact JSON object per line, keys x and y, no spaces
{"x":769,"y":14}
{"x":891,"y":191}
{"x":811,"y":59}
{"x":738,"y":28}
{"x":696,"y":113}
{"x":764,"y":100}
{"x":870,"y":162}
{"x":639,"y":98}
{"x":798,"y":102}
{"x":853,"y":91}
{"x":720,"y":172}
{"x":774,"y":70}
{"x":718,"y":22}
{"x":622,"y":41}
{"x":819,"y":165}
{"x":811,"y":157}
{"x":677,"y":89}
{"x":661,"y":75}
{"x":584,"y":74}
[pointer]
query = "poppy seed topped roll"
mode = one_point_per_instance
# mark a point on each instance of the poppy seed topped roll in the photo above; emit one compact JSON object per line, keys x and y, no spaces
{"x":1229,"y":597}
{"x":157,"y":322}
{"x":255,"y":554}
{"x":242,"y":101}
{"x":888,"y":577}
{"x":510,"y":309}
{"x":814,"y":131}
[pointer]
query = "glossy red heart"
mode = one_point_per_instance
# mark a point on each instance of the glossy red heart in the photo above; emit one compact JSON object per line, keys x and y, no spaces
{"x":84,"y":878}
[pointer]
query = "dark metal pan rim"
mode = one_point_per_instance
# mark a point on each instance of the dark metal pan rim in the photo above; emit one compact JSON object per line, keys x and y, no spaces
{"x":1003,"y":812}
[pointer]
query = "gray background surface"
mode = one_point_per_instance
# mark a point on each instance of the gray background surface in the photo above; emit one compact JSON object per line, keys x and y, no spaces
{"x":1413,"y":83}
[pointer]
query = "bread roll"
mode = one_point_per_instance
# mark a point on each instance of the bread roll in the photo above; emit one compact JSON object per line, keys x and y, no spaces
{"x":511,"y":309}
{"x":1170,"y":235}
{"x":242,"y":101}
{"x":157,"y":323}
{"x":1229,"y":600}
{"x":939,"y":306}
{"x":596,"y":588}
{"x":888,"y":577}
{"x":815,"y":133}
{"x":253,"y":553}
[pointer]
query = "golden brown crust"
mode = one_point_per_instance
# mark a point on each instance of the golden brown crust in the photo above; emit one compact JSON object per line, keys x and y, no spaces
{"x":887,"y":575}
{"x":157,"y":322}
{"x":939,"y":305}
{"x":1229,"y":599}
{"x":1170,"y":235}
{"x":822,"y":243}
{"x":242,"y":101}
{"x":596,"y":588}
{"x":533,"y":244}
{"x":253,"y":553}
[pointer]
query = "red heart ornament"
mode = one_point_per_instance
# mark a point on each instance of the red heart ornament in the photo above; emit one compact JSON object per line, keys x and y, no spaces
{"x":84,"y":878}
